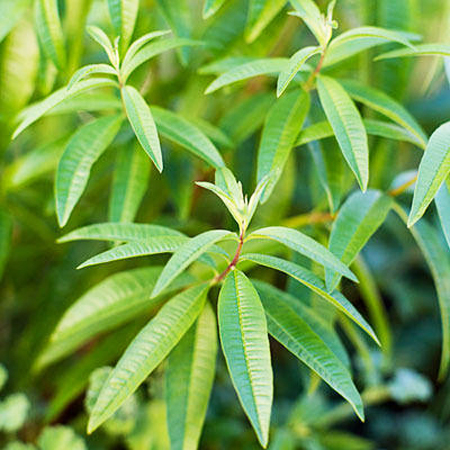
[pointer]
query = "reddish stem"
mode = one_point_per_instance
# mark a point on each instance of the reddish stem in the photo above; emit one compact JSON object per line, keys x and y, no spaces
{"x":233,"y":263}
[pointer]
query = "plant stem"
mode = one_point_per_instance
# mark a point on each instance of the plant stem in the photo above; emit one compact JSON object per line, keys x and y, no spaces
{"x":402,"y":188}
{"x":312,"y":77}
{"x":235,"y":260}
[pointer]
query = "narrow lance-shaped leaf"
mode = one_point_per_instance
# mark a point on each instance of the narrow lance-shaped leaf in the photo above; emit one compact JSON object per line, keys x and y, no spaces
{"x":419,"y":50}
{"x":443,"y":207}
{"x":309,"y":12}
{"x":50,"y":32}
{"x":313,"y":282}
{"x":210,"y":7}
{"x":187,"y":254}
{"x":358,"y":219}
{"x":91,"y":69}
{"x":305,"y":245}
{"x":261,"y":13}
{"x":295,"y":63}
{"x":123,"y":15}
{"x":293,"y":332}
{"x":381,"y":102}
{"x":347,"y":125}
{"x":433,"y":170}
{"x":112,"y":302}
{"x":189,"y":380}
{"x":131,"y":175}
{"x":437,"y":257}
{"x":141,"y":120}
{"x":147,"y":351}
{"x":243,"y":334}
{"x":102,"y":39}
{"x":281,"y":128}
{"x":179,"y":130}
{"x":85,"y":147}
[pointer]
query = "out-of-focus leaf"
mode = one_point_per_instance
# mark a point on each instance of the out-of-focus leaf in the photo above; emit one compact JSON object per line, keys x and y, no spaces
{"x":189,"y":380}
{"x":305,"y":245}
{"x":147,"y":351}
{"x":260,"y":14}
{"x":49,"y":31}
{"x":418,"y":50}
{"x":383,"y":103}
{"x":243,"y":334}
{"x":131,"y":175}
{"x":358,"y":219}
{"x":443,"y":207}
{"x":179,"y":130}
{"x":187,"y":254}
{"x":281,"y":128}
{"x":59,"y":436}
{"x":347,"y":125}
{"x":10,"y":13}
{"x":314,"y":283}
{"x":74,"y":168}
{"x":141,"y":120}
{"x":123,"y":15}
{"x":433,"y":170}
{"x":409,"y":386}
{"x":6,"y":227}
{"x":210,"y":7}
{"x":13,"y":412}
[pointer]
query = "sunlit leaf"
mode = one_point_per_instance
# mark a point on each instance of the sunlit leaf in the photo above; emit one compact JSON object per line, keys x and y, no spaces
{"x":210,"y":7}
{"x":442,"y":200}
{"x":123,"y":15}
{"x":418,"y":50}
{"x":261,"y":13}
{"x":308,"y":11}
{"x":91,"y":69}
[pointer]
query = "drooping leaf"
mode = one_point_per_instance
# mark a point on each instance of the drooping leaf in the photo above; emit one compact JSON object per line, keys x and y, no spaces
{"x":358,"y":39}
{"x":243,"y":335}
{"x":102,"y":39}
{"x":123,"y":15}
{"x":189,"y":380}
{"x":305,"y":245}
{"x":443,"y":207}
{"x":383,"y":103}
{"x":179,"y":130}
{"x":437,"y":258}
{"x":91,"y":69}
{"x":5,"y":239}
{"x":141,"y":120}
{"x":50,"y":32}
{"x":260,"y":14}
{"x":288,"y":327}
{"x":37,"y":110}
{"x":281,"y":128}
{"x":74,"y":168}
{"x":112,"y":231}
{"x":295,"y":63}
{"x":433,"y":170}
{"x":262,"y":66}
{"x":210,"y":7}
{"x":358,"y":219}
{"x":131,"y":175}
{"x":348,"y":127}
{"x":313,"y":282}
{"x":114,"y":301}
{"x":146,"y":352}
{"x":185,"y":255}
{"x":418,"y":50}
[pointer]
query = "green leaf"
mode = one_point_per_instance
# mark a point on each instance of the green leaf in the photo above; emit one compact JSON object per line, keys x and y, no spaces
{"x":151,"y":50}
{"x":131,"y":175}
{"x":313,"y":282}
{"x":50,"y":32}
{"x":437,"y":258}
{"x":147,"y":351}
{"x":102,"y":39}
{"x":358,"y":39}
{"x":123,"y":15}
{"x":59,"y":436}
{"x":210,"y":7}
{"x":443,"y":207}
{"x":262,"y":66}
{"x":433,"y":170}
{"x":113,"y":302}
{"x":288,"y":327}
{"x":13,"y":412}
{"x":295,"y":63}
{"x":318,"y":324}
{"x":83,"y":149}
{"x":6,"y":228}
{"x":141,"y":120}
{"x":112,"y":231}
{"x":153,"y":246}
{"x":11,"y":12}
{"x":358,"y":219}
{"x":91,"y":69}
{"x":245,"y":344}
{"x":179,"y":130}
{"x":187,"y":254}
{"x":260,"y":14}
{"x":281,"y":128}
{"x":381,"y":102}
{"x":347,"y":125}
{"x":308,"y":11}
{"x":189,"y":380}
{"x":305,"y":245}
{"x":37,"y":110}
{"x":418,"y":50}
